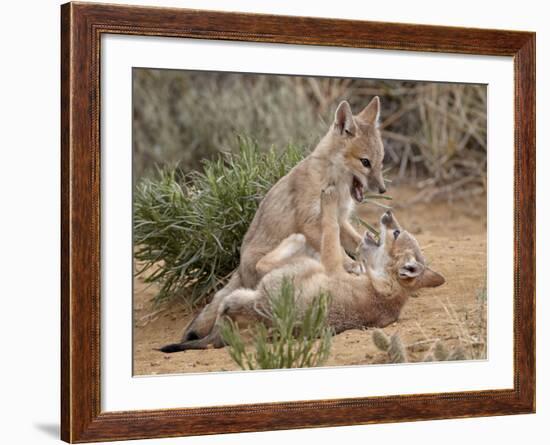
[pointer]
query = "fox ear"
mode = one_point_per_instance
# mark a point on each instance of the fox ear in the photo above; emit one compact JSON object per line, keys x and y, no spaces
{"x":343,"y":120}
{"x":431,"y":278}
{"x":371,"y":113}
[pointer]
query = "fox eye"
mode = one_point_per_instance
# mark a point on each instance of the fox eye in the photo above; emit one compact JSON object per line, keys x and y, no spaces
{"x":365,"y":162}
{"x":396,"y":234}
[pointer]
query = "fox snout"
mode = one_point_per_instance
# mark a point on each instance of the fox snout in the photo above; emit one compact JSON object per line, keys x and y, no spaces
{"x":376,"y":182}
{"x":381,"y":184}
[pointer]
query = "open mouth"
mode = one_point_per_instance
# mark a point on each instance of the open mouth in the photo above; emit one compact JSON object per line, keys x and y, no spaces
{"x":357,"y":189}
{"x":370,"y":241}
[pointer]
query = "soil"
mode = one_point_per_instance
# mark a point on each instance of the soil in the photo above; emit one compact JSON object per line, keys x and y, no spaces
{"x":452,"y":235}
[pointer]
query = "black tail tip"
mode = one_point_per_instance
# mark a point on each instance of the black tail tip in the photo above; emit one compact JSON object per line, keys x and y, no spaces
{"x":191,"y":335}
{"x":174,"y":347}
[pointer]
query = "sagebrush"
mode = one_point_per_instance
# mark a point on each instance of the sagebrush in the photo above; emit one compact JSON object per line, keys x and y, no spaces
{"x":296,"y":338}
{"x":188,"y":228}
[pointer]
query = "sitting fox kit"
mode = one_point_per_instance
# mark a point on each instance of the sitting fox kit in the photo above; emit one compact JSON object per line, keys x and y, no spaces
{"x":395,"y":268}
{"x":350,"y":156}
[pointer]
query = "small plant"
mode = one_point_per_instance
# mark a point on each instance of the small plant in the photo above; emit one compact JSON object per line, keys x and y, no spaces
{"x":438,"y":352}
{"x":296,"y":339}
{"x":397,"y":352}
{"x":188,"y":228}
{"x":392,"y":345}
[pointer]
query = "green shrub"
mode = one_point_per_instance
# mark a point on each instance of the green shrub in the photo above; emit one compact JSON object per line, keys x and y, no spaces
{"x":295,"y":339}
{"x":188,"y":228}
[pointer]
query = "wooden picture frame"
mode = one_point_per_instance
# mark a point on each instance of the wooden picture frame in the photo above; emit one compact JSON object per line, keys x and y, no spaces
{"x":82,"y":26}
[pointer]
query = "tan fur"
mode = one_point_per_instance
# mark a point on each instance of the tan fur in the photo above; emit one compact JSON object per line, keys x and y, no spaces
{"x":395,"y":269}
{"x":292,"y":205}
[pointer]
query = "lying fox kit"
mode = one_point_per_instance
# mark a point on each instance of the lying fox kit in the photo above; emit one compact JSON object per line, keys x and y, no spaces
{"x":349,"y":156}
{"x":395,"y":268}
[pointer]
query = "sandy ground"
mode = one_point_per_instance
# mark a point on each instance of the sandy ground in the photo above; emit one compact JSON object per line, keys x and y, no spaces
{"x":452,"y":236}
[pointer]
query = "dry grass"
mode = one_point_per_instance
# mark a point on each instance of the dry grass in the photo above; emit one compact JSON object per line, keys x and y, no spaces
{"x":434,"y":133}
{"x":469,"y":338}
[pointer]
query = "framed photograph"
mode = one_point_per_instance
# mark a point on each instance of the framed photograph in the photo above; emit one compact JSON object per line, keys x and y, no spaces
{"x":274,"y":222}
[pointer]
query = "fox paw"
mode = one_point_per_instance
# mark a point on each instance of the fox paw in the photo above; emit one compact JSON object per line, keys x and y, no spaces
{"x":297,"y":238}
{"x":354,"y":267}
{"x":329,"y":196}
{"x":294,"y":242}
{"x":291,"y":245}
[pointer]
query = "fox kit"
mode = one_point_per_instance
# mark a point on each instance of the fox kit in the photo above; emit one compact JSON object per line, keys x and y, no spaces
{"x":350,"y":156}
{"x":395,"y":268}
